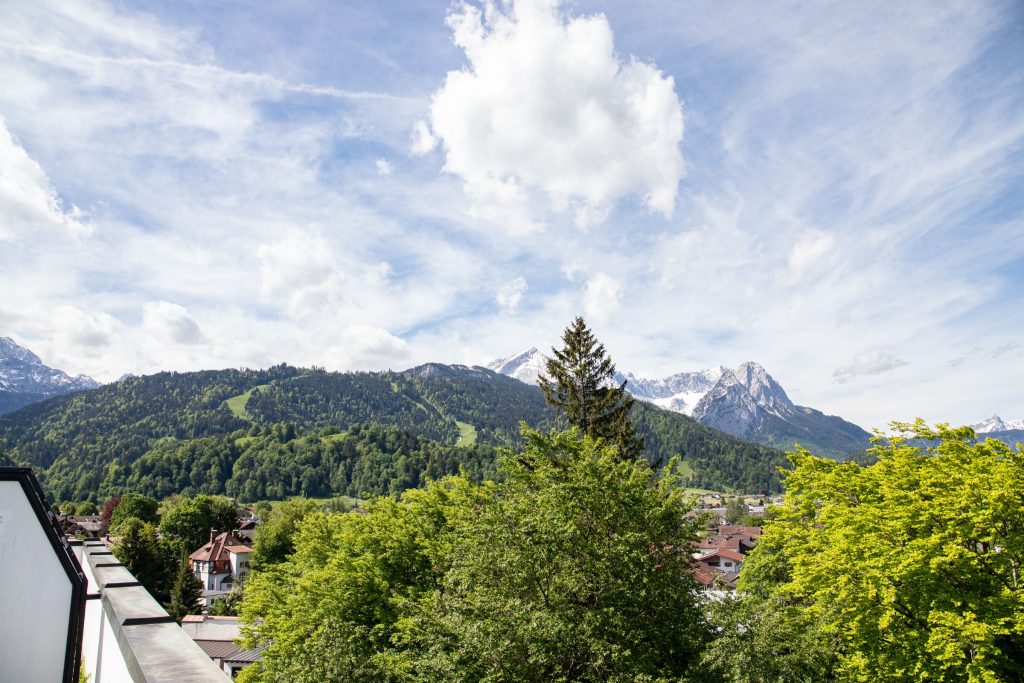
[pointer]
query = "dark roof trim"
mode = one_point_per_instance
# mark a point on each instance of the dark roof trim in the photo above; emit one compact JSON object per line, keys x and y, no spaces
{"x":48,"y":522}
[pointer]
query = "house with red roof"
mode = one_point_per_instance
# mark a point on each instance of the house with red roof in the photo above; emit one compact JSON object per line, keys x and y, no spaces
{"x":720,"y":556}
{"x":222,"y":562}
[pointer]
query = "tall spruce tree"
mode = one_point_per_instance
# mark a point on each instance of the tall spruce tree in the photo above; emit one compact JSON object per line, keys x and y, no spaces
{"x":580,"y":384}
{"x":186,"y":592}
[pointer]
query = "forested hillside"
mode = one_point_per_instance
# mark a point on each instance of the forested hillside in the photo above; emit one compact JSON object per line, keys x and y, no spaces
{"x":289,"y":431}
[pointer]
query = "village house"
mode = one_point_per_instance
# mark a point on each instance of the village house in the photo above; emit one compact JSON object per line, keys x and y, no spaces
{"x":84,"y":526}
{"x":720,"y":556}
{"x":221,"y":563}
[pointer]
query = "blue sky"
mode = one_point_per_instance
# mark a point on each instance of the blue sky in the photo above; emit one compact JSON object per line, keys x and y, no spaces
{"x":835,"y":190}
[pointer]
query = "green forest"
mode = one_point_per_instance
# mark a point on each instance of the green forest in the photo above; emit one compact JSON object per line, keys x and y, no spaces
{"x":270,"y":434}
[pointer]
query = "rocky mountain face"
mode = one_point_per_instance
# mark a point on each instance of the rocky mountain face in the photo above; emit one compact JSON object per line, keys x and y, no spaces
{"x":1010,"y":432}
{"x":525,"y":366}
{"x":24,"y":379}
{"x":997,"y":424}
{"x":745,"y":402}
{"x":680,"y":392}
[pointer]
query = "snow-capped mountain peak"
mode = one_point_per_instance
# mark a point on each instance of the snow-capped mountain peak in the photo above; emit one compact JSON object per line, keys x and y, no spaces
{"x":763,"y":388}
{"x":997,"y":424}
{"x":525,"y":366}
{"x":25,"y":379}
{"x":12,"y":352}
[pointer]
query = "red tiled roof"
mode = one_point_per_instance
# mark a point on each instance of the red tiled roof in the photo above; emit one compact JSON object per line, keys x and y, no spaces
{"x":219,"y":547}
{"x":705,"y":575}
{"x":725,"y":553}
{"x":709,"y":576}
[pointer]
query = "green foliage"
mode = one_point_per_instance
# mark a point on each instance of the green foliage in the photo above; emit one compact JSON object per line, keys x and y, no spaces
{"x":228,"y":605}
{"x":192,"y":520}
{"x":579,"y":385}
{"x":577,"y":569}
{"x":80,"y":441}
{"x":321,"y":399}
{"x":275,"y":536}
{"x":86,"y":508}
{"x":148,"y":557}
{"x":186,"y":592}
{"x":133,"y":506}
{"x":735,"y":511}
{"x":911,"y":566}
{"x":766,"y":640}
{"x":573,"y":568}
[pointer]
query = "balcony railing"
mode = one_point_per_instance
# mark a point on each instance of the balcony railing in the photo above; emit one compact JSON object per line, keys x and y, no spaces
{"x":128,"y":636}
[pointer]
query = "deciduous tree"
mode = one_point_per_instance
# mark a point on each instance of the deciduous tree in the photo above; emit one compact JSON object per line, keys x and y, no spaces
{"x":275,"y":536}
{"x":575,"y":567}
{"x":194,"y":518}
{"x":906,"y":570}
{"x":133,"y":505}
{"x":148,"y":557}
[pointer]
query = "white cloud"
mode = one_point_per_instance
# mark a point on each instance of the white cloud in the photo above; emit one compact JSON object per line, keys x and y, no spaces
{"x":299,"y":273}
{"x":810,"y":254}
{"x":602,"y":297}
{"x":364,"y":347}
{"x":384,"y":167}
{"x":85,"y":333}
{"x":866,"y":363}
{"x":28,"y":203}
{"x":546,"y":104}
{"x":171,"y":322}
{"x":423,"y":141}
{"x":510,"y":294}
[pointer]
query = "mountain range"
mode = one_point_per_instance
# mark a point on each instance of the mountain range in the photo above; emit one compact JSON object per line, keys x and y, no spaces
{"x":24,"y":379}
{"x":745,"y":402}
{"x":283,"y":431}
{"x":997,"y":424}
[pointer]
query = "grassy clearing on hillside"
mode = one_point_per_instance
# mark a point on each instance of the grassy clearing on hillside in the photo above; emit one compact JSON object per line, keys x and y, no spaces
{"x":685,"y":469}
{"x":236,"y":404}
{"x":467,"y":434}
{"x":323,"y":502}
{"x":334,"y":437}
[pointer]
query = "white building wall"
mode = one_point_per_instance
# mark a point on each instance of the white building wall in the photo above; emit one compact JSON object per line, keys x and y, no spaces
{"x":101,"y":656}
{"x":35,"y":594}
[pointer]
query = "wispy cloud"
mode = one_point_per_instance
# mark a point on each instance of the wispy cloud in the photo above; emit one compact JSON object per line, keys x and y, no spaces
{"x":866,"y":363}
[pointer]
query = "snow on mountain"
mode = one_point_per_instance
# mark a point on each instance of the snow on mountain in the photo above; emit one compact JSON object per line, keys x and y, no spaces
{"x":997,"y":424}
{"x":680,"y":392}
{"x":25,"y":379}
{"x":525,"y":366}
{"x":740,"y":400}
